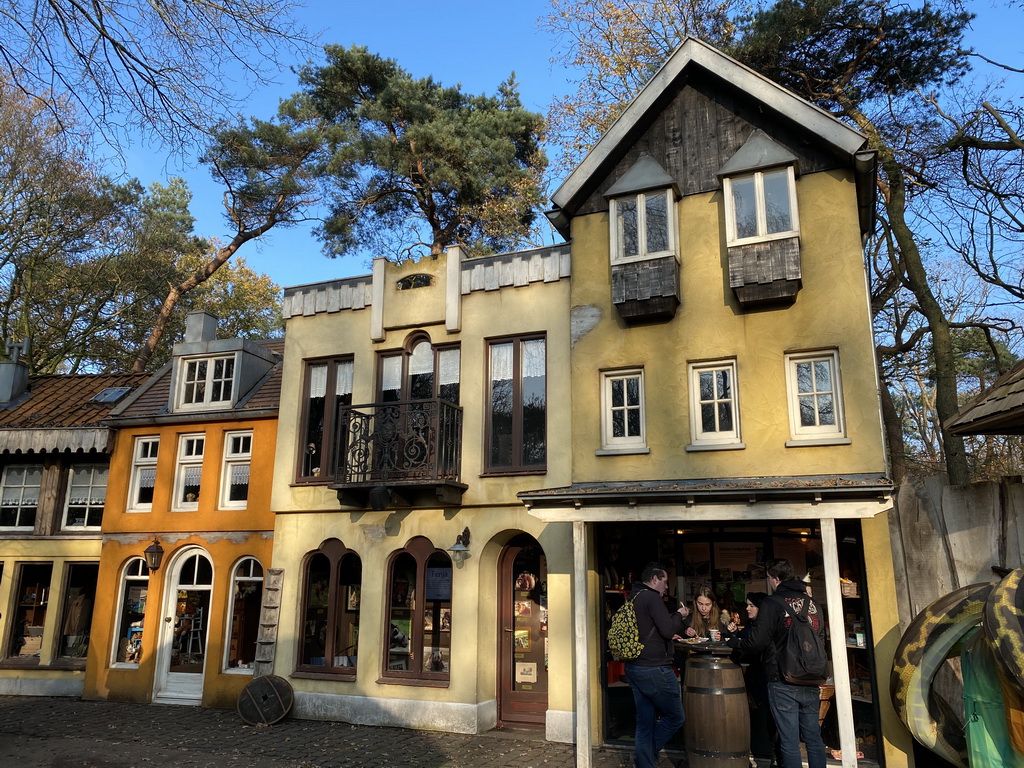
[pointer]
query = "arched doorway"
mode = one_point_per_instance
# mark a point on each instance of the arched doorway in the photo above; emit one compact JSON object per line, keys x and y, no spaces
{"x":523,"y":634}
{"x":181,"y":656}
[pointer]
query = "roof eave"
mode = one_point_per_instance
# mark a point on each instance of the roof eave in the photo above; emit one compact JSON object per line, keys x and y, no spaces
{"x":842,"y":138}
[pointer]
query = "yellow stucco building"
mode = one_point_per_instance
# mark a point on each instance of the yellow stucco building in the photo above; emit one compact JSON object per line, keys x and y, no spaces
{"x":476,"y":456}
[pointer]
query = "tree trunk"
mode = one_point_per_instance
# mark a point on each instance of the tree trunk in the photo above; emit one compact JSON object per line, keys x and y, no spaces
{"x":943,"y":355}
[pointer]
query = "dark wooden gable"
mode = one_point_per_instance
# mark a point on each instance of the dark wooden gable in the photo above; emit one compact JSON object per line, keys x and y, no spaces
{"x":695,"y":130}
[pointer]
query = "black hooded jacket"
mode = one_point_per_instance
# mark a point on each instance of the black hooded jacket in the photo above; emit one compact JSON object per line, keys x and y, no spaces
{"x":767,"y":636}
{"x":652,"y":613}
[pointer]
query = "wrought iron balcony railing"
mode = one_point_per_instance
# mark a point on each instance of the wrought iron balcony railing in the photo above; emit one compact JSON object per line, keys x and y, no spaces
{"x":407,"y":447}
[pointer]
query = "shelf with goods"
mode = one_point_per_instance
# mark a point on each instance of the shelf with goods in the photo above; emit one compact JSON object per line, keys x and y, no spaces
{"x":852,"y":621}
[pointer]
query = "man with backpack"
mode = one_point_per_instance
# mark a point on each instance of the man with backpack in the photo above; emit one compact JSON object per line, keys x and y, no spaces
{"x":659,"y":706}
{"x":789,"y":638}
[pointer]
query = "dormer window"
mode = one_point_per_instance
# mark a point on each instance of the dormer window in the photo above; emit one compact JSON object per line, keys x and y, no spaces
{"x":642,"y":217}
{"x":761,"y":206}
{"x":206,"y":382}
{"x":760,"y":192}
{"x":762,"y":228}
{"x":642,"y":228}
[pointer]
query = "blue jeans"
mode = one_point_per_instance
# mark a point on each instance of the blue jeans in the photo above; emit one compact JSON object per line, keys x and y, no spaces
{"x":659,"y":710}
{"x":795,"y":708}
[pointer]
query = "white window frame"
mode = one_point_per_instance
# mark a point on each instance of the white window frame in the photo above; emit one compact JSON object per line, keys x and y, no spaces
{"x":615,"y":240}
{"x":209,"y":383}
{"x":760,"y":209}
{"x":6,"y":489}
{"x":95,"y":472}
{"x":134,"y":573}
{"x":625,"y":443}
{"x":828,"y":433}
{"x":238,"y":577}
{"x":145,"y":453}
{"x":235,"y":457}
{"x":723,"y":438}
{"x":191,"y":448}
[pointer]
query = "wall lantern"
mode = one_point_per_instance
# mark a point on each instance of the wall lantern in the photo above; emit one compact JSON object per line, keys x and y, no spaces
{"x":154,"y":555}
{"x":460,"y":549}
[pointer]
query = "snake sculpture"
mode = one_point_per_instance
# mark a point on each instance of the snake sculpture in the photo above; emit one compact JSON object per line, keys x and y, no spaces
{"x":933,"y":636}
{"x":924,"y":648}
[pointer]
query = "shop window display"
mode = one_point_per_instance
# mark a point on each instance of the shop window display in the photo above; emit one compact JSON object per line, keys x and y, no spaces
{"x":76,"y":611}
{"x":419,"y":618}
{"x":246,"y":599}
{"x":132,"y":612}
{"x":33,"y":593}
{"x":330,"y":618}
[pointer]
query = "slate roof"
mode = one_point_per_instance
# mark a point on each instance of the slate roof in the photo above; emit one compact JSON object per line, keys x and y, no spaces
{"x":999,"y":410}
{"x":152,"y":401}
{"x":56,"y":413}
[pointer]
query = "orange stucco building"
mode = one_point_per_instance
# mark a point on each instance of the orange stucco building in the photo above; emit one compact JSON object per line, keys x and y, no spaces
{"x":189,"y":482}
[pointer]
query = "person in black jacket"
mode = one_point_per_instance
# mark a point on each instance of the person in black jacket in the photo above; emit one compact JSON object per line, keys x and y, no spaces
{"x":659,"y":706}
{"x":794,"y":707}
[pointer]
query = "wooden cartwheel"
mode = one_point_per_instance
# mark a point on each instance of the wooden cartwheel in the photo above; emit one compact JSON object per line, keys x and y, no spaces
{"x":265,"y":700}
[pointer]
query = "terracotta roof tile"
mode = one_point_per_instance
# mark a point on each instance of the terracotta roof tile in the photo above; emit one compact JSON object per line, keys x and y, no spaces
{"x":63,"y":400}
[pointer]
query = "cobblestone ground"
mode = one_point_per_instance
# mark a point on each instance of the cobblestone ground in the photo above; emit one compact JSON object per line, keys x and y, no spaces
{"x":40,"y":732}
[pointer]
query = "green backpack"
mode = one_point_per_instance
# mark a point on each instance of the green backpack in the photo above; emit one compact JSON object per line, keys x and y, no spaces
{"x":624,"y":635}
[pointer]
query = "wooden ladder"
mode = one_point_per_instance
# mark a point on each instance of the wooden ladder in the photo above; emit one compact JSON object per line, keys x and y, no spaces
{"x":270,"y":614}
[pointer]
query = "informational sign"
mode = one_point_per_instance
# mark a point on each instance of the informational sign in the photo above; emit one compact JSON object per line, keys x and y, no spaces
{"x":526,"y":672}
{"x":438,"y":583}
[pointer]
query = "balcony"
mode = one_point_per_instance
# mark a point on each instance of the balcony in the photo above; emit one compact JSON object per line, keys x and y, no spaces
{"x":399,"y":454}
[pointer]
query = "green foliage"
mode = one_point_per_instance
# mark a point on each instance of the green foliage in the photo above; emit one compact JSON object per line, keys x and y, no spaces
{"x":850,"y":51}
{"x":415,"y":166}
{"x":85,"y":262}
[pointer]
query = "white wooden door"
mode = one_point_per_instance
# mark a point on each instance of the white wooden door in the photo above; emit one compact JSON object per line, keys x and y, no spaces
{"x":181,"y":657}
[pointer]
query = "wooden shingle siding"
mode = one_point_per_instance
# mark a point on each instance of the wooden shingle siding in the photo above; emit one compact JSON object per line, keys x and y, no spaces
{"x":765,"y":272}
{"x":704,"y":125}
{"x":646,"y":290}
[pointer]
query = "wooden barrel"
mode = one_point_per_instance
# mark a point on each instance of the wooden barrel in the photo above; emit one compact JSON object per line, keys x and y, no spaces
{"x":717,"y":724}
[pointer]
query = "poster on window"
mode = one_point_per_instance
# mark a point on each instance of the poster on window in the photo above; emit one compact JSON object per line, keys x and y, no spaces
{"x":521,"y":640}
{"x":436,"y":659}
{"x":526,"y":672}
{"x":438,"y":583}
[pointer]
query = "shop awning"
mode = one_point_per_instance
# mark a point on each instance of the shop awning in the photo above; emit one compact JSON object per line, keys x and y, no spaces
{"x":76,"y":439}
{"x":753,"y":498}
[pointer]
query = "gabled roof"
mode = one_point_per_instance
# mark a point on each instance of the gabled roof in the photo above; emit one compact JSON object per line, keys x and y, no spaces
{"x":60,"y":412}
{"x":691,"y":55}
{"x":999,"y":410}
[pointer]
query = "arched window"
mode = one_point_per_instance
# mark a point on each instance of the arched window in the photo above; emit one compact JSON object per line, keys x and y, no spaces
{"x":421,"y":371}
{"x":131,"y":612}
{"x":246,"y":599}
{"x":419,"y":619}
{"x":330,"y":616}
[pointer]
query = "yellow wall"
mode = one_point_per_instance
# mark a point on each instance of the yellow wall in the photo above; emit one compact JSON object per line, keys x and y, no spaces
{"x":831,"y":311}
{"x":307,"y":515}
{"x":51,"y":670}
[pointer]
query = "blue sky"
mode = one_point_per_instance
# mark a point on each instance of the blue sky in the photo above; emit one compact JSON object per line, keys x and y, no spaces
{"x":456,"y":41}
{"x":477,"y":44}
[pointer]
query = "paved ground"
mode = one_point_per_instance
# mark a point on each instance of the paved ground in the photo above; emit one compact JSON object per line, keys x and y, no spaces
{"x":38,"y":732}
